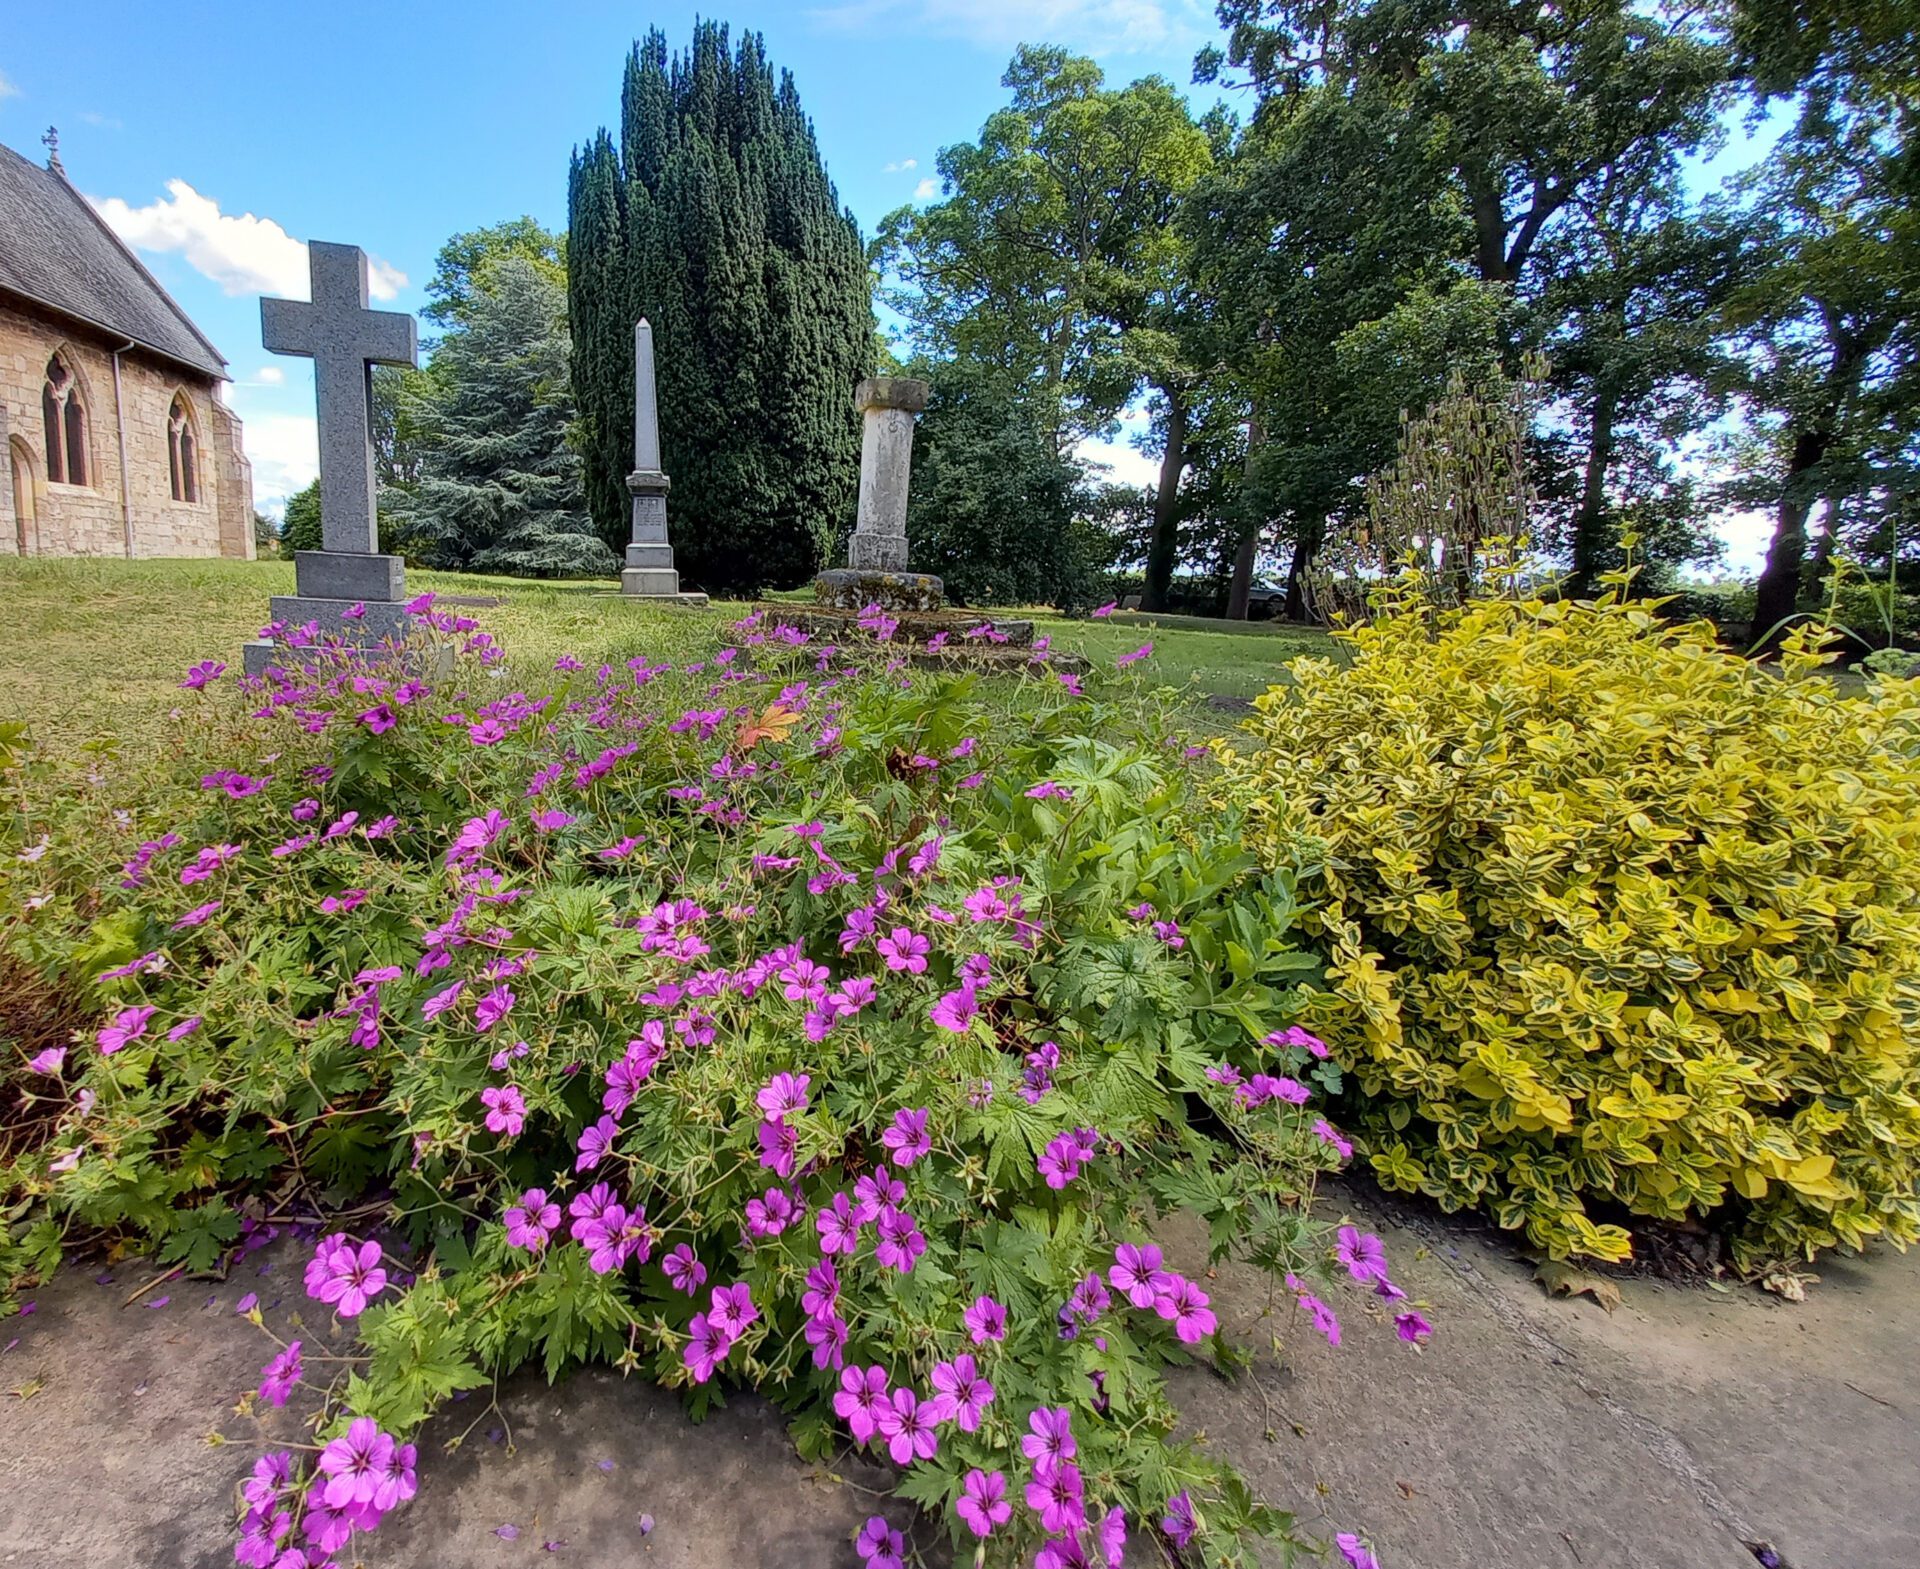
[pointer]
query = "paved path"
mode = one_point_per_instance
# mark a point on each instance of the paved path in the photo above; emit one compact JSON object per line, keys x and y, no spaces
{"x":1529,"y":1435}
{"x":1539,"y":1434}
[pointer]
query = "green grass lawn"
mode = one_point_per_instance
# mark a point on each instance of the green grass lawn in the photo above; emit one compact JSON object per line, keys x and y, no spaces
{"x":86,"y":645}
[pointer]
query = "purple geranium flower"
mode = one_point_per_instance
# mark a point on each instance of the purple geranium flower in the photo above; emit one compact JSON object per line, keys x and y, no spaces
{"x":1051,"y":1435}
{"x":962,"y":1394}
{"x":908,"y":1426}
{"x":595,"y":1142}
{"x":986,"y":1320}
{"x":1185,"y":1305}
{"x":982,"y":1503}
{"x":493,"y":1007}
{"x":1356,"y":1552}
{"x":779,"y":1146}
{"x":1058,"y":1496}
{"x":684,"y":1272}
{"x":271,"y":1476}
{"x":1178,"y":1522}
{"x":784,"y":1093}
{"x":351,"y":1277}
{"x":770,"y":1214}
{"x":1322,"y":1316}
{"x":1060,"y":1161}
{"x":874,"y":1192}
{"x":355,"y":1463}
{"x":956,"y":1010}
{"x":1363,"y":1255}
{"x":899,"y":1241}
{"x":862,"y":1392}
{"x":1327,"y":1133}
{"x":1136,"y":1273}
{"x":908,"y":1138}
{"x":828,"y":1338}
{"x":732,"y":1309}
{"x":506,"y":1109}
{"x":279,"y":1376}
{"x":823,"y":1290}
{"x":532,"y":1221}
{"x":128,"y":1025}
{"x":839,"y":1226}
{"x":904,"y":949}
{"x":880,"y":1545}
{"x":706,"y":1348}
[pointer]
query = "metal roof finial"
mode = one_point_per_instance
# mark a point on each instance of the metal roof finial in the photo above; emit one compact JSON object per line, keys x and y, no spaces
{"x":51,"y":141}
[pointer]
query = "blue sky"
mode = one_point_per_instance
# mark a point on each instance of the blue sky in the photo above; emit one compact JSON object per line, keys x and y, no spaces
{"x":219,"y":137}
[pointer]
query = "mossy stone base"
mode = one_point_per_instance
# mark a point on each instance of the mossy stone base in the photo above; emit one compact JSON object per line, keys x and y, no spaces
{"x":897,"y":593}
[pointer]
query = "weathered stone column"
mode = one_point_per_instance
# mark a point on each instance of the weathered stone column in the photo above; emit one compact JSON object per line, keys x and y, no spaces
{"x":887,"y":405}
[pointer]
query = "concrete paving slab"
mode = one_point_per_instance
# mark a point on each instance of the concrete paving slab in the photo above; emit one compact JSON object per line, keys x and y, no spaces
{"x":106,"y":1412}
{"x":1545,"y":1433}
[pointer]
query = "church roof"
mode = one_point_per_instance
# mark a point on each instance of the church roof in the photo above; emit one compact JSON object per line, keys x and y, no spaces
{"x":57,"y":252}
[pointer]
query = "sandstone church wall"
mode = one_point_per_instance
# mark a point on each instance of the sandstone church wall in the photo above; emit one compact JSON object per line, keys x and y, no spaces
{"x":89,"y":520}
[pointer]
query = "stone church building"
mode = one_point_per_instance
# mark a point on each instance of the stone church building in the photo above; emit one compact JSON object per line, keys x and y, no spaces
{"x":116,"y":441}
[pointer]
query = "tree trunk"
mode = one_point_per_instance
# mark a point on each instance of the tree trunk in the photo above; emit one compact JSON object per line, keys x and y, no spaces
{"x":1777,"y":595}
{"x":1590,"y":533}
{"x":1305,"y":542}
{"x":1164,"y":548}
{"x":1252,"y":526}
{"x":1240,"y":588}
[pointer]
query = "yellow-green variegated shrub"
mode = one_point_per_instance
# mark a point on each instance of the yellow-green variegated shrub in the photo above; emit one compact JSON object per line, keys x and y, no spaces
{"x":1613,"y":919}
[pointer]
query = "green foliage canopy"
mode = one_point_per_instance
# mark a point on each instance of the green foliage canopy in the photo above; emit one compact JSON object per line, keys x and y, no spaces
{"x":713,"y":218}
{"x":499,"y":486}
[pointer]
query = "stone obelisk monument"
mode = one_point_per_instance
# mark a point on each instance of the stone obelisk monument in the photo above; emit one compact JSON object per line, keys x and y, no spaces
{"x":649,"y":573}
{"x":347,"y":588}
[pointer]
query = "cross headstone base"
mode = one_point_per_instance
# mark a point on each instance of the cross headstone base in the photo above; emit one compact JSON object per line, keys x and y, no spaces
{"x":349,"y":575}
{"x":373,"y":623}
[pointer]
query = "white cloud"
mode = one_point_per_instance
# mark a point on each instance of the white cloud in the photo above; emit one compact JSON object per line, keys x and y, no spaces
{"x":1124,"y":465}
{"x":243,"y":254}
{"x":106,"y":122}
{"x":925,"y":189}
{"x":1101,"y":26}
{"x":270,"y":375}
{"x":1746,"y":536}
{"x":902,"y":166}
{"x":285,"y":452}
{"x":7,"y":89}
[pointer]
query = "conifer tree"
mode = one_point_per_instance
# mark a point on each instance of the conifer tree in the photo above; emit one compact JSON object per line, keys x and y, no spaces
{"x":499,"y":488}
{"x":714,"y":218}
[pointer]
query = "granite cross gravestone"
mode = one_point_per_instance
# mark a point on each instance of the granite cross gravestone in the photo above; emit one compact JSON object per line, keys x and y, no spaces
{"x":344,"y":339}
{"x":649,"y":572}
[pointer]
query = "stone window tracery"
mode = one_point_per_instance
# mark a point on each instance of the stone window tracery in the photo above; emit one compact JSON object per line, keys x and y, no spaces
{"x":182,"y":451}
{"x":64,"y":414}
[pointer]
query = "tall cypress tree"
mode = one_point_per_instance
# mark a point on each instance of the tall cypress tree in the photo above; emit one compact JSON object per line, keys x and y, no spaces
{"x":714,"y":218}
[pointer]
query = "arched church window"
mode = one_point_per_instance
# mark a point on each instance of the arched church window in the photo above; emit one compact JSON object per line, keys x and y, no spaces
{"x":182,"y":453}
{"x":65,"y":415}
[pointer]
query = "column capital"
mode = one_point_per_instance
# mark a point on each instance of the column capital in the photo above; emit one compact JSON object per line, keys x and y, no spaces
{"x":891,"y":392}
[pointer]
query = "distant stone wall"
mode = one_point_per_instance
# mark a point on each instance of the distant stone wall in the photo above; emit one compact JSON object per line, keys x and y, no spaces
{"x":89,"y":520}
